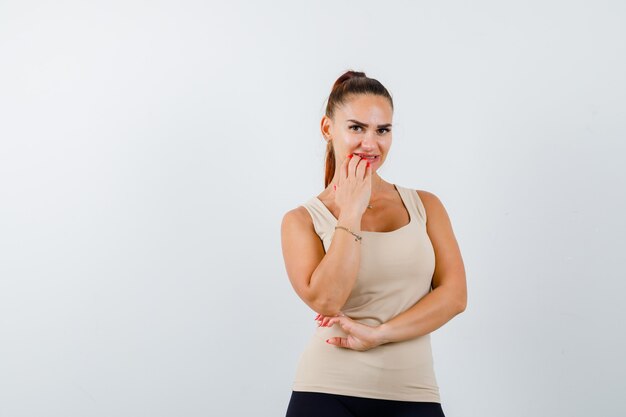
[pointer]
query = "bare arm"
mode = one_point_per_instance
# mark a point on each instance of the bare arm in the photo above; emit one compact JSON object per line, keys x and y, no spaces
{"x":323,"y":281}
{"x":447,"y":299}
{"x":430,"y":313}
{"x":449,"y":295}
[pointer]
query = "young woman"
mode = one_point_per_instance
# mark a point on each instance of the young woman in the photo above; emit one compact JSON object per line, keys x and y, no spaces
{"x":378,"y":263}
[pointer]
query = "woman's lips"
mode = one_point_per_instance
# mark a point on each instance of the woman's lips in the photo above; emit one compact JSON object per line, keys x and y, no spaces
{"x":369,"y":158}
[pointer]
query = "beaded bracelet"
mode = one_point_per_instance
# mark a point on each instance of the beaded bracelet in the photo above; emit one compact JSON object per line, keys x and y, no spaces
{"x":356,"y":237}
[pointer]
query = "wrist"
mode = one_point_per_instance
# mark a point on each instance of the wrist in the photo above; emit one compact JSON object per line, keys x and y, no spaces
{"x":382,"y":334}
{"x":350,"y":220}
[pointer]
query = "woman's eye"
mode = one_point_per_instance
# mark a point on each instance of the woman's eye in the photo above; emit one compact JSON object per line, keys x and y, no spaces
{"x":383,"y":130}
{"x":355,"y":126}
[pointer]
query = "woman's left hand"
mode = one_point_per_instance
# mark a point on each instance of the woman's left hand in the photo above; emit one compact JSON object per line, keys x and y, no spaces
{"x":360,"y":336}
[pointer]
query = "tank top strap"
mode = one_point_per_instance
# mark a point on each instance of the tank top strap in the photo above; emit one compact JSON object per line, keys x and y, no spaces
{"x":323,"y":220}
{"x":413,"y":202}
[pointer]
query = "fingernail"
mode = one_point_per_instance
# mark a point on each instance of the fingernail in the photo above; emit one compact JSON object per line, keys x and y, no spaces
{"x":350,"y":156}
{"x":335,"y":187}
{"x":368,"y":163}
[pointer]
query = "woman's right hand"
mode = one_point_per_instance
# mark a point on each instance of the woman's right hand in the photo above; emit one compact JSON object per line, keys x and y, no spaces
{"x":354,"y":185}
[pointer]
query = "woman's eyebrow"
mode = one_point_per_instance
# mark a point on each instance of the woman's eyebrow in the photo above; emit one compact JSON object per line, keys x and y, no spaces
{"x":366,"y":125}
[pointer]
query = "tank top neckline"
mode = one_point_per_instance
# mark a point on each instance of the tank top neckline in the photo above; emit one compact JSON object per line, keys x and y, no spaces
{"x":404,"y":202}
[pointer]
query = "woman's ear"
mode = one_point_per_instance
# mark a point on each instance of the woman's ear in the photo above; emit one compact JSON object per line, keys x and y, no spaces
{"x":326,"y":127}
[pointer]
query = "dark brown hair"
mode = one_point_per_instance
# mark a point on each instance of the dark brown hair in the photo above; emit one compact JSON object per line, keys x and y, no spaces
{"x":350,"y":83}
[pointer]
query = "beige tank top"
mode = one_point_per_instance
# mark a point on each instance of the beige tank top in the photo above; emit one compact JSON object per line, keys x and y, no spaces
{"x":395,"y":272}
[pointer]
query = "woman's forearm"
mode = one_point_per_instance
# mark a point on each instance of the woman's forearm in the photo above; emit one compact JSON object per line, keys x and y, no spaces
{"x":430,"y":313}
{"x":335,"y":276}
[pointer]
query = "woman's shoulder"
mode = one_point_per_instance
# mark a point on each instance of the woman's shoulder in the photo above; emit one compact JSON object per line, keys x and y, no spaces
{"x":426,"y":195}
{"x":428,"y":203}
{"x":298,"y":219}
{"x":433,"y":206}
{"x":422,"y":194}
{"x":298,"y":231}
{"x":298,"y":215}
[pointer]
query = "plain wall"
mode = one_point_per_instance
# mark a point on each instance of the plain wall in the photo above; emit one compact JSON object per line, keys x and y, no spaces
{"x":149,"y":149}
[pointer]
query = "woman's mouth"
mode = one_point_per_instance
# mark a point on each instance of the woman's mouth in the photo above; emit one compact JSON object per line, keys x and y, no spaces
{"x":371,"y":159}
{"x":368,"y":157}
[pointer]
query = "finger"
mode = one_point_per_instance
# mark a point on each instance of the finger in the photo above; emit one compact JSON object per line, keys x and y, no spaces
{"x":317,"y":317}
{"x":338,"y":341}
{"x":368,"y":171}
{"x":335,"y":320}
{"x":343,"y":170}
{"x":360,"y":169}
{"x":343,"y":342}
{"x":352,"y":165}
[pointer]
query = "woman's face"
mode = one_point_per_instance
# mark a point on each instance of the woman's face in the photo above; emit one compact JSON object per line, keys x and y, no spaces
{"x":362,"y":125}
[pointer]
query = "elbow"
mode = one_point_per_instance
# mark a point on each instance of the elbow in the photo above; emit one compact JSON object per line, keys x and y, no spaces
{"x":326,"y":303}
{"x":455,"y":300}
{"x":462,"y":304}
{"x":330,"y":312}
{"x":460,"y":297}
{"x":326,"y":306}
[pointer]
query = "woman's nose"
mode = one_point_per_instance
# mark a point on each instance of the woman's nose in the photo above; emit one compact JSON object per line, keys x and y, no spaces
{"x":368,"y":142}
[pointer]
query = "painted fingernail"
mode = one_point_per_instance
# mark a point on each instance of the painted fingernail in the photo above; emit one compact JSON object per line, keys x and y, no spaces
{"x":368,"y":163}
{"x":350,"y":156}
{"x":335,"y":187}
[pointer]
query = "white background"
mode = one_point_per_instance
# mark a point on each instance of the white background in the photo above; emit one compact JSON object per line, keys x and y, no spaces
{"x":149,"y":149}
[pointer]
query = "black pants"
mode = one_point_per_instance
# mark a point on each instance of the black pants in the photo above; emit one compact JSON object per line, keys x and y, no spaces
{"x":320,"y":404}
